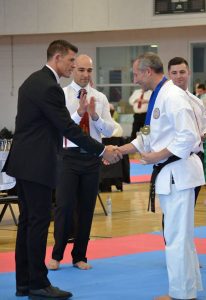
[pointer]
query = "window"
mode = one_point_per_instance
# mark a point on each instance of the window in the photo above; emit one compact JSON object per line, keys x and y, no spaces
{"x":178,"y":6}
{"x":198,"y":64}
{"x":114,"y":72}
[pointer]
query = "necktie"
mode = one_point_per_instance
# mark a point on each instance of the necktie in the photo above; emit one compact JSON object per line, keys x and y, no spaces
{"x":84,"y":123}
{"x":139,"y":103}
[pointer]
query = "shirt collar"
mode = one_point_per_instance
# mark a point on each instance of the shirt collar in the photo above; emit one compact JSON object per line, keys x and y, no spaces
{"x":77,"y":87}
{"x":55,"y":73}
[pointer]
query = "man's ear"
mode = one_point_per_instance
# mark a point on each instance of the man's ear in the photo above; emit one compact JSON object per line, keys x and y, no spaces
{"x":149,"y":71}
{"x":57,"y":56}
{"x":190,"y":72}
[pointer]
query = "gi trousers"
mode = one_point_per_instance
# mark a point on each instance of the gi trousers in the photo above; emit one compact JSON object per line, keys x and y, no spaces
{"x":181,"y":256}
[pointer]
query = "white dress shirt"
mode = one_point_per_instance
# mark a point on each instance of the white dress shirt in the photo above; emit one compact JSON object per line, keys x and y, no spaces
{"x":55,"y":73}
{"x":103,"y":126}
{"x":136,"y":95}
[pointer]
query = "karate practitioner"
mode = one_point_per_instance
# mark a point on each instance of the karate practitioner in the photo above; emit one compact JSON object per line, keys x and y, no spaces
{"x":170,"y":132}
{"x":179,"y":72}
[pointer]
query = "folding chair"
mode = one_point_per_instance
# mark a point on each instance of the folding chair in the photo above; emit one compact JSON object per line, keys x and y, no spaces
{"x":6,"y":183}
{"x":102,"y":204}
{"x":7,"y":201}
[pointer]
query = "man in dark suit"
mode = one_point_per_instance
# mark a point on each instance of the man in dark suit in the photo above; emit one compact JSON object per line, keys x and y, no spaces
{"x":41,"y":122}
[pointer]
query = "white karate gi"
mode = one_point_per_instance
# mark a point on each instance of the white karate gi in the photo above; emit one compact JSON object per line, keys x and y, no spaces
{"x":173,"y":126}
{"x":200,"y":114}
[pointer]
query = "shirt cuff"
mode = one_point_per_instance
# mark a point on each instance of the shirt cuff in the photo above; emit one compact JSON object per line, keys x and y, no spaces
{"x":98,"y":124}
{"x":138,"y":144}
{"x":101,"y":154}
{"x":76,"y":117}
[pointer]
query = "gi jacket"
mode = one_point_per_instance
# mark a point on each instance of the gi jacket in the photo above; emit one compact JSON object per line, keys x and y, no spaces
{"x":173,"y":126}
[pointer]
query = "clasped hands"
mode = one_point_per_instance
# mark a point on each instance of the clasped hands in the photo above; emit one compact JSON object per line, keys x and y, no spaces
{"x":111,"y":155}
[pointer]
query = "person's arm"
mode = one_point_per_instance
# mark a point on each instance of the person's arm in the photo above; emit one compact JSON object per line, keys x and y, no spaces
{"x":154,"y":157}
{"x":100,"y":114}
{"x":127,"y":149}
{"x":55,"y":110}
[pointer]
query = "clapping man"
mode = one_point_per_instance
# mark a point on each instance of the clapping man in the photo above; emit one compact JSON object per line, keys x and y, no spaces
{"x":79,"y":170}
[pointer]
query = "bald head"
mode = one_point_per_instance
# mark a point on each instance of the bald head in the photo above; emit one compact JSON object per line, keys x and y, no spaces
{"x":83,"y":72}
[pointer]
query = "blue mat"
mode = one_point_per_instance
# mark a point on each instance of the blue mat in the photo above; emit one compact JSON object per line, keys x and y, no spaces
{"x":136,"y":277}
{"x":139,"y":169}
{"x":199,"y":232}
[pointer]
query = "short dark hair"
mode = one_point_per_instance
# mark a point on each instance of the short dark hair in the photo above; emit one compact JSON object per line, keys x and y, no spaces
{"x":177,"y":61}
{"x":151,"y":60}
{"x":201,"y":86}
{"x":60,"y":46}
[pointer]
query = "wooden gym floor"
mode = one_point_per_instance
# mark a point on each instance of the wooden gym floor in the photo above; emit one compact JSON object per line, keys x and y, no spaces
{"x":129,"y":216}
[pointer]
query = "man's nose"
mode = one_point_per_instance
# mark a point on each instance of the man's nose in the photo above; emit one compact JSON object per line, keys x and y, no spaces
{"x":87,"y":74}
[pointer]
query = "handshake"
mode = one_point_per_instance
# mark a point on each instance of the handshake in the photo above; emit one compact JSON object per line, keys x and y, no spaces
{"x":111,"y":155}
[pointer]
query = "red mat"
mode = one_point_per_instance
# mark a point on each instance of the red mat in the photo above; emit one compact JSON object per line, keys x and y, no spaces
{"x":140,"y":178}
{"x":107,"y":248}
{"x":138,"y":172}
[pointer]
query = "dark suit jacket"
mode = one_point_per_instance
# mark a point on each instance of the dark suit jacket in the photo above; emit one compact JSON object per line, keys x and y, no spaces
{"x":41,"y":122}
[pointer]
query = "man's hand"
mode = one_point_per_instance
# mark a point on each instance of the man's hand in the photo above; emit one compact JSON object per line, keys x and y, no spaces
{"x":149,"y":158}
{"x":154,"y":157}
{"x":92,"y":109}
{"x":111,"y":154}
{"x":83,"y":105}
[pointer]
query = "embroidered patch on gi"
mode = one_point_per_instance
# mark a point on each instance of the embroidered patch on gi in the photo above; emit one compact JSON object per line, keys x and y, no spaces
{"x":156,"y":113}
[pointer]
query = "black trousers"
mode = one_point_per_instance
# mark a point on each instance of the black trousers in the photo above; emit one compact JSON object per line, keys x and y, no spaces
{"x":34,"y":220}
{"x":139,"y":120}
{"x":77,"y":189}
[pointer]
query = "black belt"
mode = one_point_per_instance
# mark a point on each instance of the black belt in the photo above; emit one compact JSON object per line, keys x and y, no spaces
{"x":75,"y":149}
{"x":156,"y":169}
{"x":201,"y":156}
